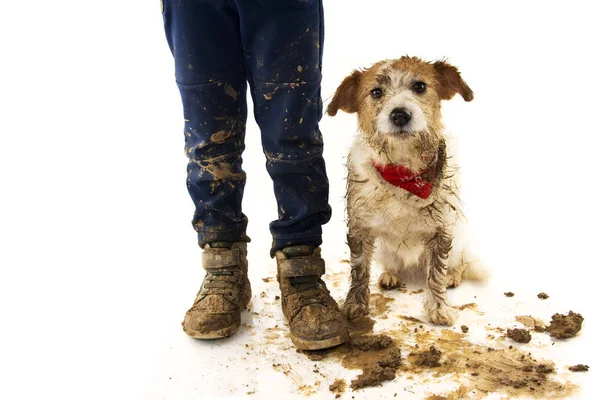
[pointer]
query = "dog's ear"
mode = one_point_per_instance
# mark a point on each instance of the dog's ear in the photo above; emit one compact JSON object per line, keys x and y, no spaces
{"x":450,"y":82}
{"x":345,"y":97}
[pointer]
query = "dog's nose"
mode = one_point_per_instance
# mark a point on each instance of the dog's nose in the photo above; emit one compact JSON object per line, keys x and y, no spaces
{"x":400,"y":116}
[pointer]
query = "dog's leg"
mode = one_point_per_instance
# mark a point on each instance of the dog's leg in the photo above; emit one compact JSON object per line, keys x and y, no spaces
{"x":435,"y":255}
{"x":361,"y":243}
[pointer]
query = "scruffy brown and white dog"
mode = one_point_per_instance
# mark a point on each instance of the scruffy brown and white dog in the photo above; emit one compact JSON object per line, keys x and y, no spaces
{"x":402,"y":190}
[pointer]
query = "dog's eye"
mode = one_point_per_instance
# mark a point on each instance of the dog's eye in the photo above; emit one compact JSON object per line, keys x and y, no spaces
{"x":419,"y":87}
{"x":376,"y":93}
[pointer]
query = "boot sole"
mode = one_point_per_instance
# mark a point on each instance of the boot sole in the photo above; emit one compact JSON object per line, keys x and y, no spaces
{"x":219,"y":334}
{"x":319,"y":344}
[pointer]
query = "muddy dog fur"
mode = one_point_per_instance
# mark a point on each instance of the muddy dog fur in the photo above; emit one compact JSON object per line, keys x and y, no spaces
{"x":409,"y":235}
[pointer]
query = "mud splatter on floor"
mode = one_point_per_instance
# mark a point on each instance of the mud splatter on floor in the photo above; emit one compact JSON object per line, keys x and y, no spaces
{"x":361,"y":325}
{"x":530,"y":322}
{"x":336,"y":279}
{"x":565,"y":326}
{"x":483,"y":369}
{"x":519,"y":335}
{"x":378,"y":358}
{"x":464,"y":328}
{"x":433,"y":353}
{"x":460,"y":393}
{"x":509,"y":294}
{"x":428,"y":358}
{"x":379,"y":304}
{"x":338,"y":387}
{"x":579,"y":368}
{"x":468,"y":306}
{"x":411,"y":319}
{"x":542,"y":296}
{"x":376,"y":355}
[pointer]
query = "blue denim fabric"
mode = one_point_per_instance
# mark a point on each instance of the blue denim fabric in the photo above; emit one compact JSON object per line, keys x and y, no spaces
{"x":276,"y":46}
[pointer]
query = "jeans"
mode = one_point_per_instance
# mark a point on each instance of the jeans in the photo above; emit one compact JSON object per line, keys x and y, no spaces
{"x":274,"y":46}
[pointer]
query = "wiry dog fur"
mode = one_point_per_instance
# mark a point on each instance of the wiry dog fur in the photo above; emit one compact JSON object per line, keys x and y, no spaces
{"x":414,"y":235}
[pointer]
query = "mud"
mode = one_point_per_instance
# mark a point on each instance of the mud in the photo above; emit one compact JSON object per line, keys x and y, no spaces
{"x":468,"y":306}
{"x":221,"y":136}
{"x":379,"y":304}
{"x":361,"y":325}
{"x":460,"y":393}
{"x":464,"y":328}
{"x":380,"y":371}
{"x":530,"y":322}
{"x":368,"y":343}
{"x":411,"y":319}
{"x":482,"y":370}
{"x":338,"y":387}
{"x":519,"y":335}
{"x":428,"y":358}
{"x":542,"y":296}
{"x":509,"y":294}
{"x":579,"y":368}
{"x":376,"y":355}
{"x":565,"y":326}
{"x":438,"y":353}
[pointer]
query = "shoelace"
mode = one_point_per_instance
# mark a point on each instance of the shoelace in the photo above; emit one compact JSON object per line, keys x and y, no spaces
{"x":221,"y":282}
{"x":309,"y":290}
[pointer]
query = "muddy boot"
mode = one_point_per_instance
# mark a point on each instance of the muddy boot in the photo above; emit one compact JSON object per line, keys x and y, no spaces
{"x":225,"y":292}
{"x":314,"y":317}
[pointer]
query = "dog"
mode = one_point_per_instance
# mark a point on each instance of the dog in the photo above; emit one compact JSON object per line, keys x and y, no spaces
{"x":402,"y":189}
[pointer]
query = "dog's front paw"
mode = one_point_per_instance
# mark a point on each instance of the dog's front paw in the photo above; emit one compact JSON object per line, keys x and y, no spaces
{"x":353,"y":310}
{"x":388,"y":281}
{"x":443,"y":315}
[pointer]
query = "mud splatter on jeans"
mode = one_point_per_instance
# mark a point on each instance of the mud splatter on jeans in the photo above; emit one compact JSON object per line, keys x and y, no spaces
{"x":276,"y":46}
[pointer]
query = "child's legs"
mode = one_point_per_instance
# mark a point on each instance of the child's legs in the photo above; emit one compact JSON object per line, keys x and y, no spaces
{"x":282,"y":42}
{"x":209,"y":63}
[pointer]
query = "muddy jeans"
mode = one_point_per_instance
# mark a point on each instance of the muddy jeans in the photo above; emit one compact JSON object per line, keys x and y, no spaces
{"x":276,"y":46}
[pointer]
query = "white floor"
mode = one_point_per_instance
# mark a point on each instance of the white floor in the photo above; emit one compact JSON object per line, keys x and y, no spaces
{"x":261,"y":361}
{"x":97,"y":255}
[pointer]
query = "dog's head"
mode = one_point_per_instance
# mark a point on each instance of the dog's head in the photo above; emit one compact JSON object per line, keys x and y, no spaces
{"x":398,"y":106}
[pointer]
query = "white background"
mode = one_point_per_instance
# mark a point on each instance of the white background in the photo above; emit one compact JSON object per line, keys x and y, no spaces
{"x":98,"y":258}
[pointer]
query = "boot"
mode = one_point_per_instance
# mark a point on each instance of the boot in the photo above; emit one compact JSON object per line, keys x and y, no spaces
{"x":314,"y":317}
{"x":224,"y":293}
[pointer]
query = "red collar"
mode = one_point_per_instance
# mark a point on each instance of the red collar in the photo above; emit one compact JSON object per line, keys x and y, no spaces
{"x":399,"y":176}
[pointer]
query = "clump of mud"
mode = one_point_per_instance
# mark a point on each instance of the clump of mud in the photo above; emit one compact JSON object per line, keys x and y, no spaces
{"x":519,"y":335}
{"x":382,"y":370}
{"x":376,"y":355}
{"x":368,"y":343}
{"x":509,"y":294}
{"x":464,"y":328}
{"x":565,"y":326}
{"x":428,"y":358}
{"x":338,"y":387}
{"x":579,"y":368}
{"x":543,"y":296}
